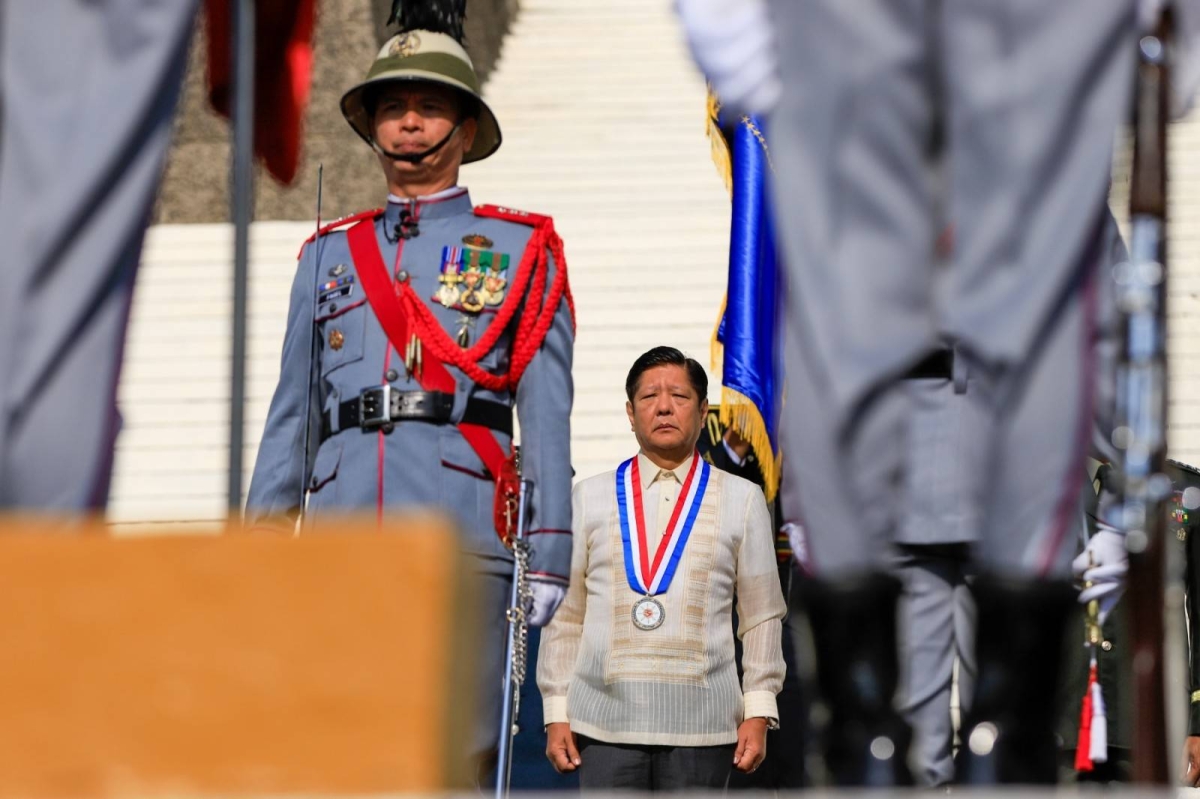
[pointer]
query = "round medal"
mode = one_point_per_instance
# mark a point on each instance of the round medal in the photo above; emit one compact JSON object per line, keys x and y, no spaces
{"x":648,"y":613}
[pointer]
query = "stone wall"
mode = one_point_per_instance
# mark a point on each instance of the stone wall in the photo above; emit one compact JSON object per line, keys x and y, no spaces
{"x":348,"y":34}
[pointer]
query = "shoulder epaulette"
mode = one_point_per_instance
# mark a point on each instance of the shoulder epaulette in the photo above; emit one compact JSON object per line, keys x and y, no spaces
{"x":335,"y":224}
{"x":513,"y":215}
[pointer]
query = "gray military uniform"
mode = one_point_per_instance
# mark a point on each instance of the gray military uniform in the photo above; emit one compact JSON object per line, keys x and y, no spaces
{"x":849,"y":144}
{"x":417,"y":464}
{"x":87,"y":97}
{"x":937,"y":613}
{"x":937,"y":610}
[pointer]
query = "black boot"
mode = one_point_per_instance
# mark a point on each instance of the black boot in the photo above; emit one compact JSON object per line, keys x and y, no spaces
{"x":853,"y":625}
{"x":1008,"y":732}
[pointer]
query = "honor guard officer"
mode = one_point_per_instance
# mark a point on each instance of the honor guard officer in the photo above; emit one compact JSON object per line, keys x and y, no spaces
{"x":412,"y":332}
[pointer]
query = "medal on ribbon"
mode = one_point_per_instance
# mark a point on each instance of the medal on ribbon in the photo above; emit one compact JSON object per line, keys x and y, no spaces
{"x":472,"y":279}
{"x":448,"y":294}
{"x":495,"y":280}
{"x":650,"y":574}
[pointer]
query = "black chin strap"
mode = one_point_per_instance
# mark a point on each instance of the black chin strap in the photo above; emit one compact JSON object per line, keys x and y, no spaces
{"x":416,"y":158}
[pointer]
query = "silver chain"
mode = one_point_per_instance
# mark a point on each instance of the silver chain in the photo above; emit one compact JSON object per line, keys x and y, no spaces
{"x":518,"y":616}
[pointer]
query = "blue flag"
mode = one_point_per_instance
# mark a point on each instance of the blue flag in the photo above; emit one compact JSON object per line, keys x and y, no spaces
{"x":747,"y":338}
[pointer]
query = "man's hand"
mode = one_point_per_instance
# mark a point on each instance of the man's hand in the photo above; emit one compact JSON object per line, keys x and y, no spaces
{"x":560,"y":747}
{"x":1103,"y":563}
{"x":751,"y":745}
{"x":734,"y":45}
{"x":739,"y":445}
{"x":547,"y":596}
{"x":1191,"y":762}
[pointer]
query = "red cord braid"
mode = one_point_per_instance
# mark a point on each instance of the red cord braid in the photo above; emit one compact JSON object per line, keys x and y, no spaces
{"x":526,"y":347}
{"x":532,"y":326}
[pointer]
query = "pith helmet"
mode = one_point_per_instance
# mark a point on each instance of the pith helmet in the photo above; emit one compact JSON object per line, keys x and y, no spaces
{"x":421,"y":55}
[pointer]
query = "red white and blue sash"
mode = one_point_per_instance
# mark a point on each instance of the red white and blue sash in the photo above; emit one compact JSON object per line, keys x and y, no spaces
{"x":652,"y":575}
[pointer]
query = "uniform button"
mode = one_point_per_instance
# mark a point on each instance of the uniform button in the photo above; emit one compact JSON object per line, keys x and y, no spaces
{"x":402,"y":276}
{"x":1106,"y":646}
{"x":332,"y":307}
{"x":392,"y":374}
{"x":388,"y":428}
{"x":314,"y":481}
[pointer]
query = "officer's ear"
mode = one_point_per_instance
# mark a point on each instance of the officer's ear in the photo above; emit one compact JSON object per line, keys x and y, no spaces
{"x":629,"y":412}
{"x":470,"y":126}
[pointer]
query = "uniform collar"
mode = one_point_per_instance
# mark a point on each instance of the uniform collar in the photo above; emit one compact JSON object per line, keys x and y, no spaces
{"x":446,"y":203}
{"x":648,"y":470}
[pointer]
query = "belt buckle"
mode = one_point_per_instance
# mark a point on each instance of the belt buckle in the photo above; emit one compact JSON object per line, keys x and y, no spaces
{"x":374,"y":407}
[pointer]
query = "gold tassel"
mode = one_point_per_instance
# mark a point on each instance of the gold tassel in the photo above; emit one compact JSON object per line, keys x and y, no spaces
{"x":716,"y":350}
{"x":716,"y":140}
{"x":740,"y":414}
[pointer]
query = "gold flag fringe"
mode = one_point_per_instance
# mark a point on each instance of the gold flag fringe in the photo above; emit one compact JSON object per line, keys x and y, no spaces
{"x":724,"y":164}
{"x":716,"y":140}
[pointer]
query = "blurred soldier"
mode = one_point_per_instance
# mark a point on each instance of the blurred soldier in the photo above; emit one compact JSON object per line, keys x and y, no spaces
{"x":87,"y":98}
{"x":1031,"y":94}
{"x":412,"y":333}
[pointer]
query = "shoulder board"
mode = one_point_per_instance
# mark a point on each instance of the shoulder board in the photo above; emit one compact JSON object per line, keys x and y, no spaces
{"x":512,"y":215}
{"x":337,"y":223}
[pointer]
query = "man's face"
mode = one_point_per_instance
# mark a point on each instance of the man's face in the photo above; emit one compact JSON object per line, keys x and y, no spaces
{"x":666,"y":415}
{"x":411,"y":118}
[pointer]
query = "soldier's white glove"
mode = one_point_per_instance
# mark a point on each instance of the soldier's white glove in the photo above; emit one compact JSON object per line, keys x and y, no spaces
{"x":547,"y":596}
{"x":799,"y":543}
{"x":1103,"y":563}
{"x":734,"y":45}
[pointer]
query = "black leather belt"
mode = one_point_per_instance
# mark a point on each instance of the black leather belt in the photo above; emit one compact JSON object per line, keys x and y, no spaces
{"x":376,"y":407}
{"x":937,"y":365}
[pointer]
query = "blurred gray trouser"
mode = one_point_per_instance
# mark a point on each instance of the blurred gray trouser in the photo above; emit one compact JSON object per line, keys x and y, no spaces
{"x":937,"y":627}
{"x":87,"y":98}
{"x":1031,"y":94}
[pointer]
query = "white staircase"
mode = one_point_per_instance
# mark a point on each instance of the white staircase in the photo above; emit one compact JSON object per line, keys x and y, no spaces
{"x":603,"y":121}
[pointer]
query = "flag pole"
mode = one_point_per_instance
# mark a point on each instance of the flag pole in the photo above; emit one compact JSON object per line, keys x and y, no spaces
{"x":243,"y":212}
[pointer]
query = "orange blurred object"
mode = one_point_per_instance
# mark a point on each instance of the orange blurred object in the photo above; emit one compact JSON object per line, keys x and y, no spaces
{"x":236,"y":664}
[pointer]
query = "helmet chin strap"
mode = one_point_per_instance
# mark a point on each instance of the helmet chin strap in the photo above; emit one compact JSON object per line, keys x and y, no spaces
{"x":416,"y":158}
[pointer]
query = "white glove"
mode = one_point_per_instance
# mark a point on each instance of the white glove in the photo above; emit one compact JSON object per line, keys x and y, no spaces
{"x":547,"y":596}
{"x":1103,"y":563}
{"x":799,"y":543}
{"x":734,"y":46}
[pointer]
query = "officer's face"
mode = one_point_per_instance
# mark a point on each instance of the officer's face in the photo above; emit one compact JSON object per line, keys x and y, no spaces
{"x":411,"y":118}
{"x":666,"y":414}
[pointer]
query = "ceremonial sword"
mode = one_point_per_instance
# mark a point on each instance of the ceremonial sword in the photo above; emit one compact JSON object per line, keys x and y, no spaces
{"x":516,"y":650}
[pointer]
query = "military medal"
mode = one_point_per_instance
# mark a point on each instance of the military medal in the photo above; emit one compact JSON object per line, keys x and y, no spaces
{"x":651,"y":577}
{"x":336,"y":339}
{"x":449,"y":293}
{"x":337,"y":271}
{"x":495,"y":279}
{"x":472,"y":280}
